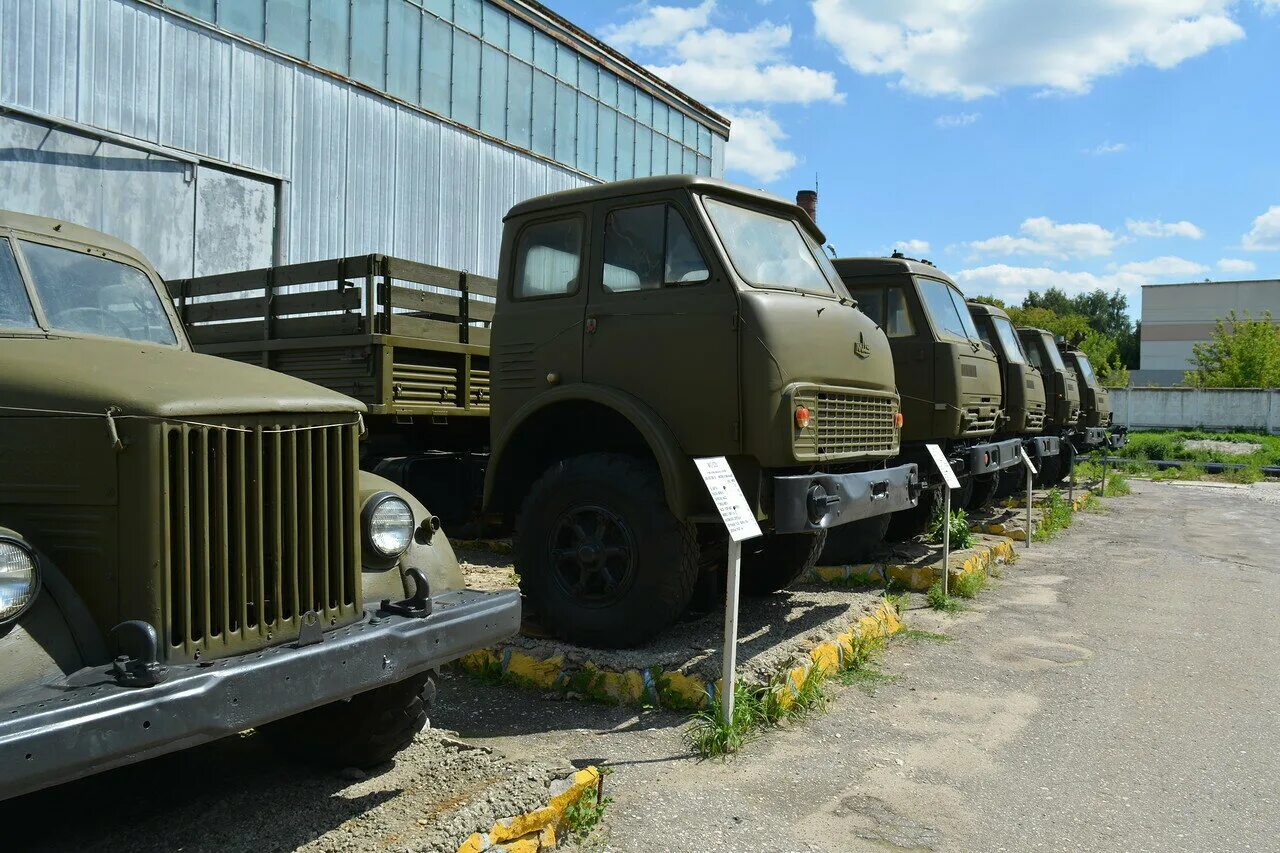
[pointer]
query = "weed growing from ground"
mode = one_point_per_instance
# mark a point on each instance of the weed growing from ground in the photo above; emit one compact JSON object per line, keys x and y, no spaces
{"x":915,"y":634}
{"x":969,"y":584}
{"x":1252,"y":474}
{"x":939,"y":600}
{"x":585,"y":813}
{"x":899,"y":601}
{"x":1117,"y":487}
{"x":867,"y":679}
{"x":710,"y":736}
{"x":961,"y":536}
{"x":1055,"y":516}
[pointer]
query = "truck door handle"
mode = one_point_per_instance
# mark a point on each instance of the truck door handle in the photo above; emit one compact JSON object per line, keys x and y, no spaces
{"x":591,"y":325}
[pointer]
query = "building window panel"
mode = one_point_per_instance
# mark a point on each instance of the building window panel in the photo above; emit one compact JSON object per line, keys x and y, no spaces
{"x":521,"y":40}
{"x":246,"y":18}
{"x":690,"y":133}
{"x":329,"y":20}
{"x":519,"y":100}
{"x":287,"y":26}
{"x":404,"y":51}
{"x":566,"y":123}
{"x":443,"y":8}
{"x":606,"y":144}
{"x":204,"y":9}
{"x":466,"y":14}
{"x":567,"y":64}
{"x":493,"y":92}
{"x":704,"y":166}
{"x":644,"y":151}
{"x":589,"y":77}
{"x":689,"y":162}
{"x":660,"y":117}
{"x":644,"y":109}
{"x":587,"y":122}
{"x":544,"y":114}
{"x":544,"y":52}
{"x":369,"y":41}
{"x":627,"y":99}
{"x":464,"y":106}
{"x":674,"y":164}
{"x":437,"y":70}
{"x":704,"y":141}
{"x":626,"y":148}
{"x":608,"y":88}
{"x":496,"y":26}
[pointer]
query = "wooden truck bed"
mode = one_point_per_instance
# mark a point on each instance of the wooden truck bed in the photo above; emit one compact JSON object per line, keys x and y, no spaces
{"x":405,"y":338}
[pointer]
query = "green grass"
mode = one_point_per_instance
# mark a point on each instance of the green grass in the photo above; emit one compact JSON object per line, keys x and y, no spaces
{"x":961,"y":536}
{"x":1252,"y":474}
{"x":1117,"y":487}
{"x":899,"y":601}
{"x":868,"y":679}
{"x":584,"y":814}
{"x":1170,"y":445}
{"x":939,"y":600}
{"x":915,"y":634}
{"x":1055,"y":516}
{"x":968,"y":585}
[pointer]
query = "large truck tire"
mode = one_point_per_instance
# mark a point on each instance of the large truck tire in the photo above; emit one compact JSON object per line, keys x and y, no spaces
{"x":1048,"y":473}
{"x":775,"y":561}
{"x":602,"y":561}
{"x":855,"y":542}
{"x":984,"y":490}
{"x":367,"y":730}
{"x":1066,"y":464}
{"x":910,"y":523}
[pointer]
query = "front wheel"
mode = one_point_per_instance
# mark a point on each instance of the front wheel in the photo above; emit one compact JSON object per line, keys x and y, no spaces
{"x":909,"y":523}
{"x":777,"y":560}
{"x":364,"y":731}
{"x":601,"y":558}
{"x":857,"y":541}
{"x":1066,"y":463}
{"x":985,"y":488}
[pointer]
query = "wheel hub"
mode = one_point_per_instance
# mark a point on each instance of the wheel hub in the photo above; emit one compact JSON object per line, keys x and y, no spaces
{"x":593,"y":555}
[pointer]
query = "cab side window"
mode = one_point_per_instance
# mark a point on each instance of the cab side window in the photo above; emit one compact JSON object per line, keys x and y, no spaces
{"x":871,"y":303}
{"x":1033,"y":355}
{"x":15,"y":306}
{"x":899,"y":323}
{"x":549,"y":259}
{"x":650,"y":247}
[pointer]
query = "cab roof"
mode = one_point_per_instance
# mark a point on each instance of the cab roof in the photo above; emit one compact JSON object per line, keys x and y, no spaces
{"x":663,"y":183}
{"x":860,"y":267}
{"x":986,"y":308}
{"x":56,"y":229}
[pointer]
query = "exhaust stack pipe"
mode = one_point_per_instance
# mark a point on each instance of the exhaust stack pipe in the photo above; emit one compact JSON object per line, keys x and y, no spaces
{"x":808,"y":201}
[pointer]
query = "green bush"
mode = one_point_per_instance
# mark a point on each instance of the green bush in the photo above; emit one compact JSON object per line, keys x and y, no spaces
{"x":961,"y":536}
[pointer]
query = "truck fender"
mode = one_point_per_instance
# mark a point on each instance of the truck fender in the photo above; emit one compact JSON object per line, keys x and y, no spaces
{"x":432,"y":555}
{"x":680,"y":480}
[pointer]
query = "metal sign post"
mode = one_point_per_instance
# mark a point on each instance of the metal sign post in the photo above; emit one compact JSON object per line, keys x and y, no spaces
{"x":738,"y":519}
{"x":949,"y":482}
{"x":1031,"y":472}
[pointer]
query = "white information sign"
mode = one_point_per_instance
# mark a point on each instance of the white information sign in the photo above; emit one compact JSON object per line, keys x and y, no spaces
{"x":728,"y":497}
{"x":944,"y":467}
{"x":1026,"y":460}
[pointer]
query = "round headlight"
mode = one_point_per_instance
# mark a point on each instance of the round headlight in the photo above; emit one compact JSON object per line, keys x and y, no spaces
{"x":19,"y":579}
{"x":389,"y":525}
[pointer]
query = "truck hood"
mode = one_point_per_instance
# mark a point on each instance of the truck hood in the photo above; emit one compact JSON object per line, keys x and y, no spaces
{"x":92,"y":375}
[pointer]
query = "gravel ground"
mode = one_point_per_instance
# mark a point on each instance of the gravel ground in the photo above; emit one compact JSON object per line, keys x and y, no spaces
{"x":1117,"y":689}
{"x":1231,"y":448}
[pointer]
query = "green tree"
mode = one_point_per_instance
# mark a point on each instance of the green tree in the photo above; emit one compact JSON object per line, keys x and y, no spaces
{"x":1244,"y":353}
{"x":991,"y":300}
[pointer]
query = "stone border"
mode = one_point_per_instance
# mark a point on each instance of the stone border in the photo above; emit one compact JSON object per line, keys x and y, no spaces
{"x":916,"y":578}
{"x":539,"y":829}
{"x":672,"y":690}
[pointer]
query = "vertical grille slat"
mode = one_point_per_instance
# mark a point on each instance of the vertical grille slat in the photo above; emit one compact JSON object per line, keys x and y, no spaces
{"x":260,"y":526}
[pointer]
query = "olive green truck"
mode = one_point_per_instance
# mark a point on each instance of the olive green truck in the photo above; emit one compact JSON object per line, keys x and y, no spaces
{"x":633,"y":327}
{"x":188,"y":548}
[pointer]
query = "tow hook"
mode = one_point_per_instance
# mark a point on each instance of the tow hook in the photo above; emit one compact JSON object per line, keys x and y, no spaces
{"x":820,"y":503}
{"x":144,"y":669}
{"x":879,"y":490}
{"x":417,"y":605}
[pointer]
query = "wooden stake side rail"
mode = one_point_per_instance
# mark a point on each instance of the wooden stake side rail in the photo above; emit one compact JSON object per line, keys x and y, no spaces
{"x":364,"y":330}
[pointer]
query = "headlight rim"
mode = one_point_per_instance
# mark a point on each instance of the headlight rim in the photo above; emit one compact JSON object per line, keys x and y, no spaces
{"x":37,"y":585}
{"x":371,"y":505}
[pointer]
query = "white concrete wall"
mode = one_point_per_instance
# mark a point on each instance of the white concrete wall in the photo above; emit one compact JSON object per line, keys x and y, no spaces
{"x":1252,"y":409}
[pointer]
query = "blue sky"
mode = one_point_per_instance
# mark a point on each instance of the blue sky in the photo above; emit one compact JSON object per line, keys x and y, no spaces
{"x":1017,"y":143}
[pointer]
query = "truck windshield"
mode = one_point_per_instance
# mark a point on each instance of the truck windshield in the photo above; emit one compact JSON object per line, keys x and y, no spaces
{"x":1086,"y":369}
{"x":1009,"y":340}
{"x":1054,"y":358}
{"x":770,"y":251}
{"x":946,"y":306}
{"x":15,"y":307}
{"x":86,"y":294}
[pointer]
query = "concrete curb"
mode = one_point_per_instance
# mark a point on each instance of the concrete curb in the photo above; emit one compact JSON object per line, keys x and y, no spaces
{"x":667,"y":689}
{"x":916,"y":578}
{"x":539,"y":829}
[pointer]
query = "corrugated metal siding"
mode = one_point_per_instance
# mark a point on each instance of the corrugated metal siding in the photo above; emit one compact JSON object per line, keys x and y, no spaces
{"x":364,"y":174}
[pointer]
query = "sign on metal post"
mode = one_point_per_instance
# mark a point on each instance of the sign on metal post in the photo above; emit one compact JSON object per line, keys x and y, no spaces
{"x":741,"y":523}
{"x":952,"y":482}
{"x":1031,"y":472}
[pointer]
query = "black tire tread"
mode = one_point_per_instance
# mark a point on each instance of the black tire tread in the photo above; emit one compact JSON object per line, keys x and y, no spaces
{"x":780,"y":562}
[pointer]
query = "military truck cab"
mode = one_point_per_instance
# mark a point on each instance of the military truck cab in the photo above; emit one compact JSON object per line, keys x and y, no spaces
{"x":949,"y":379}
{"x":1023,"y":386}
{"x":642,"y":324}
{"x":187,"y":547}
{"x":1062,"y":398}
{"x":1095,"y":428}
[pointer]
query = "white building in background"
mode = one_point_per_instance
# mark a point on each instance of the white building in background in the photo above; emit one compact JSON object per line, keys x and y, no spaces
{"x":219,"y":135}
{"x":1175,"y":317}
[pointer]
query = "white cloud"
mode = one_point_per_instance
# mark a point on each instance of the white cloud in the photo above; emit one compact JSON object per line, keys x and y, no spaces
{"x":960,"y":119}
{"x":1107,"y":148}
{"x":1265,"y":234}
{"x":1013,"y":283}
{"x":1237,"y":265}
{"x":975,"y":48}
{"x":755,"y":146}
{"x":1166,"y":266}
{"x":914,"y":248}
{"x":1040,"y":235}
{"x":1158,"y":228}
{"x":735,"y":70}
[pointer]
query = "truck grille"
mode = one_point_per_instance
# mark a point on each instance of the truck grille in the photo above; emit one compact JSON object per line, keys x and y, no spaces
{"x":846,"y":424}
{"x":980,"y":420}
{"x":260,"y":527}
{"x":1035,"y":420}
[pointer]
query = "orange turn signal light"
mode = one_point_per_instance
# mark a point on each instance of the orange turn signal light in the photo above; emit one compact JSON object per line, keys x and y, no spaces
{"x":803,"y":417}
{"x":898,"y":420}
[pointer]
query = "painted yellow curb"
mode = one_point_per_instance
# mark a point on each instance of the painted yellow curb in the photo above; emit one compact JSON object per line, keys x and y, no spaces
{"x":917,"y":578}
{"x":829,"y":657}
{"x":538,"y":829}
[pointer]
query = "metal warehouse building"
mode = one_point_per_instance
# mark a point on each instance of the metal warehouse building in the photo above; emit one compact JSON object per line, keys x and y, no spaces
{"x":1175,"y":317}
{"x":228,"y":134}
